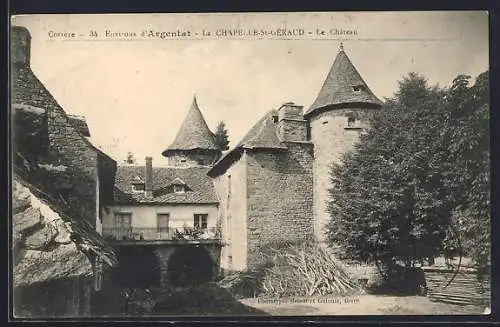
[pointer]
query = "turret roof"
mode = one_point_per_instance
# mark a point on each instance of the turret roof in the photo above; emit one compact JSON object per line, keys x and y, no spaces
{"x":193,"y":133}
{"x":343,"y":85}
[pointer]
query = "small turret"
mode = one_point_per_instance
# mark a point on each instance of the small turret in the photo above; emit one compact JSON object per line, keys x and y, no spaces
{"x":194,"y":144}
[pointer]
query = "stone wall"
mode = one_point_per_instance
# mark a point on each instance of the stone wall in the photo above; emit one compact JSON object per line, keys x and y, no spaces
{"x":332,"y":137}
{"x":291,"y":124}
{"x":231,"y":189}
{"x":72,"y":150}
{"x":293,"y":130}
{"x":280,"y":203}
{"x":185,"y":159}
{"x":66,"y":146}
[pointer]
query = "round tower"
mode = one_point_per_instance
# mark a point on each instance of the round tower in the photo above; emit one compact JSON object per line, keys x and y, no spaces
{"x":336,"y":118}
{"x":194,"y":144}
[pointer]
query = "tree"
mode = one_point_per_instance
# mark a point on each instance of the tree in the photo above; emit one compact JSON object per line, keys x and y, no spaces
{"x":421,"y":170}
{"x":130,"y":158}
{"x":469,"y":164}
{"x":387,"y":202}
{"x":221,"y":137}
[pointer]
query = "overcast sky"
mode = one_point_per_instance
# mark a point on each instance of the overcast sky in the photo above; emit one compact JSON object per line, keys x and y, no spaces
{"x":135,"y":94}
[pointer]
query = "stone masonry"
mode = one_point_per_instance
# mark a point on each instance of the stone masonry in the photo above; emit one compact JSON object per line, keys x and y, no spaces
{"x":332,"y":137}
{"x":280,"y":197}
{"x":67,"y":146}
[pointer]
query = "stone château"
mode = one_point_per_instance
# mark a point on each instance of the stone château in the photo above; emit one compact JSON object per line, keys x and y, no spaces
{"x":208,"y":211}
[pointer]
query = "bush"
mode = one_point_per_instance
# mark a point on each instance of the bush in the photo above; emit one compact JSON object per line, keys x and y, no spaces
{"x":400,"y":280}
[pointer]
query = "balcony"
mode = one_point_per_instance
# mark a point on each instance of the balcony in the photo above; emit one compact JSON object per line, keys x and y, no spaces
{"x":159,"y":234}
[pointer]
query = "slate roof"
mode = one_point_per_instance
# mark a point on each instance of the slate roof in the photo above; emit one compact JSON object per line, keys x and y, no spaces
{"x":338,"y":86}
{"x":199,"y":187}
{"x":194,"y":133}
{"x":32,"y":265}
{"x":263,"y":135}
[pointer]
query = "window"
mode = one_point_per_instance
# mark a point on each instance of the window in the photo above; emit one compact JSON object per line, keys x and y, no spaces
{"x":358,"y":88}
{"x":178,"y":188}
{"x":138,"y":187}
{"x":162,"y":222}
{"x":123,"y":220}
{"x":351,"y":121}
{"x":201,"y":162}
{"x":275,"y":119}
{"x":200,"y":221}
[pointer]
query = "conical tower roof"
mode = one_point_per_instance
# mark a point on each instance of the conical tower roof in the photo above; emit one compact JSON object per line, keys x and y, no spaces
{"x":343,"y":85}
{"x":194,"y":133}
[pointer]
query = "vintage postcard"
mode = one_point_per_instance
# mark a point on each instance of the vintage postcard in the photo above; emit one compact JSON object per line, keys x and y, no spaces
{"x":264,"y":164}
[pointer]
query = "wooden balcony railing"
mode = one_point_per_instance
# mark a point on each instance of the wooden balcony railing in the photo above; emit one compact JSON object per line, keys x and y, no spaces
{"x":160,"y":234}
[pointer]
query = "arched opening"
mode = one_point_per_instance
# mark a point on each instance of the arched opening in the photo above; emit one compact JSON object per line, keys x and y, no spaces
{"x":190,"y":265}
{"x":139,"y":267}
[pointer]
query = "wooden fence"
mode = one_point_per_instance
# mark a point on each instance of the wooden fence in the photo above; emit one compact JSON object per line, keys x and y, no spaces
{"x":465,"y":289}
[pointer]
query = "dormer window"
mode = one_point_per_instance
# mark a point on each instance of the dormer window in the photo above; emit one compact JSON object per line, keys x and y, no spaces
{"x":138,"y":184}
{"x":358,"y":88}
{"x":179,"y":189}
{"x":140,"y":187}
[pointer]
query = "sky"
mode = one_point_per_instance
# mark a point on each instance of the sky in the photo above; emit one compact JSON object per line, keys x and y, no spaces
{"x":136,"y":91}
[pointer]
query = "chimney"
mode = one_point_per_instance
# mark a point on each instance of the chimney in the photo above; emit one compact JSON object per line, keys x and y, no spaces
{"x":148,"y":177}
{"x":20,"y":46}
{"x":291,"y":124}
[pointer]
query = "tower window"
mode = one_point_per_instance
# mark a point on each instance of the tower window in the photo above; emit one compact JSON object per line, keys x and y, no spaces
{"x":351,"y":121}
{"x":358,"y":88}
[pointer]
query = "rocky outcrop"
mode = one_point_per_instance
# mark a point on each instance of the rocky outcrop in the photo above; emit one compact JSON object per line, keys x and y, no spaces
{"x":43,"y":246}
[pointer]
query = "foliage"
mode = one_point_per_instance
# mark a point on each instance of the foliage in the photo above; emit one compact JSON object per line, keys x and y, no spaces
{"x":221,"y":136}
{"x":469,"y":164}
{"x":394,"y":197}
